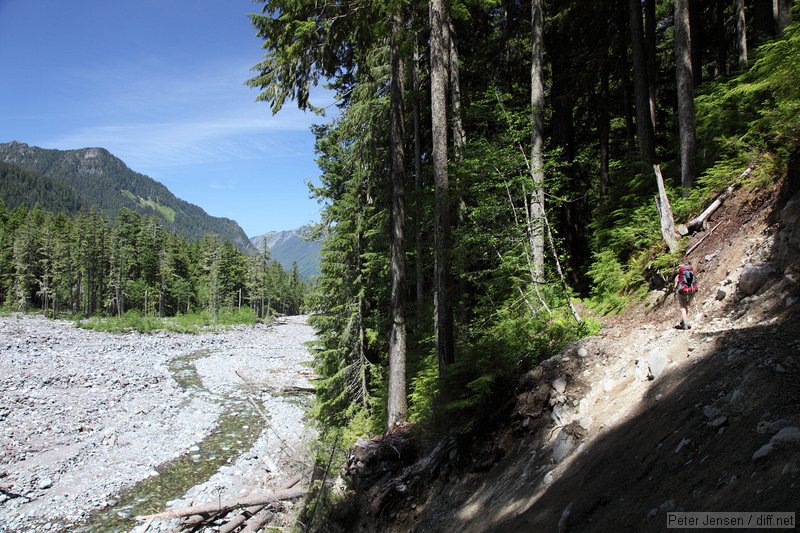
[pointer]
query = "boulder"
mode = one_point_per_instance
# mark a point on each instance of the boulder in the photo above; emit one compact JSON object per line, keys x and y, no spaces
{"x":790,"y":214}
{"x":657,"y":361}
{"x":642,"y":372}
{"x":562,"y":446}
{"x":721,"y":294}
{"x":560,"y":384}
{"x":754,"y":277}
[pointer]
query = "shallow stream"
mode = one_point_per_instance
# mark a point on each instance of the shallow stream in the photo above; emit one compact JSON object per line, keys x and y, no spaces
{"x":237,"y":430}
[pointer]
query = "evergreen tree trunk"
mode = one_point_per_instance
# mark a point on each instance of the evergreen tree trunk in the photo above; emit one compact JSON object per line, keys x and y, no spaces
{"x":459,"y":136}
{"x":783,"y":15}
{"x":683,"y":75}
{"x":397,"y":341}
{"x":763,"y":19}
{"x":459,"y":141}
{"x":536,"y":201}
{"x":741,"y":34}
{"x":420,"y":287}
{"x":650,"y":50}
{"x":443,"y":311}
{"x":697,"y":38}
{"x":644,"y":125}
{"x":721,"y":43}
{"x":623,"y":67}
{"x":603,"y":124}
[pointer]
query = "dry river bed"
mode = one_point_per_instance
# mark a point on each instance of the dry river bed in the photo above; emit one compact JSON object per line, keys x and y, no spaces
{"x":96,"y":428}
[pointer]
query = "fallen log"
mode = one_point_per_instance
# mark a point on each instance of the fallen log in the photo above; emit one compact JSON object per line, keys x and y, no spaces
{"x":258,"y":521}
{"x":297,"y":389}
{"x":697,"y":223}
{"x":229,"y":505}
{"x":238,"y":520}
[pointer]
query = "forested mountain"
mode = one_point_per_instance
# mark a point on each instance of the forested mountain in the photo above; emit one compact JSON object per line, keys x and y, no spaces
{"x":22,"y":187}
{"x":493,"y":162}
{"x":287,"y":247}
{"x":99,"y":180}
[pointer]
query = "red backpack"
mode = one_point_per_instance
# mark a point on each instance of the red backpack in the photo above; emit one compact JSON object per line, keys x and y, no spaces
{"x":687,"y":282}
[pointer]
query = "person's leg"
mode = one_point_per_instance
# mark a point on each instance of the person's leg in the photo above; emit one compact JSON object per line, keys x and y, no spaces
{"x":683,"y":303}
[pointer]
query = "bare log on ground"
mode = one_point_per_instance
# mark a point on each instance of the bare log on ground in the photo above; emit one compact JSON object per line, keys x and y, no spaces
{"x":296,"y":389}
{"x":238,"y":520}
{"x":259,"y":520}
{"x":698,"y":222}
{"x":230,"y":505}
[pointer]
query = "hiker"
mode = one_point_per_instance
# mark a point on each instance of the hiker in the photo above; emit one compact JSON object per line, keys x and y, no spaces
{"x":685,"y":289}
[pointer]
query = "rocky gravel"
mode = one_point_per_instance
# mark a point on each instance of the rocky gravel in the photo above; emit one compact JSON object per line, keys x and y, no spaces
{"x":85,"y":415}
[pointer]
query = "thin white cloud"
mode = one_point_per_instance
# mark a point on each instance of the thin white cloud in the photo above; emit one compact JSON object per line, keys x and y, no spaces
{"x":173,"y":118}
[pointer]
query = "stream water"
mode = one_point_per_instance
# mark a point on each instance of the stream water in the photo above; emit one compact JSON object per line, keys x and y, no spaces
{"x":235,"y":433}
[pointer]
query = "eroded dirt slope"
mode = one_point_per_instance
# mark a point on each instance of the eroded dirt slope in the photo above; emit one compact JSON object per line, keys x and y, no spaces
{"x":619,"y":429}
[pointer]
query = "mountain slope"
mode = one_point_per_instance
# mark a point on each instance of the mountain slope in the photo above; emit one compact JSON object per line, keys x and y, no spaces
{"x":287,"y":247}
{"x":22,"y":187}
{"x":101,"y":180}
{"x":619,"y":429}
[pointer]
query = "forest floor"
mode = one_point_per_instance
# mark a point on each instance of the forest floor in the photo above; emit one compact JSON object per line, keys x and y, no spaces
{"x":96,"y":428}
{"x":621,"y":428}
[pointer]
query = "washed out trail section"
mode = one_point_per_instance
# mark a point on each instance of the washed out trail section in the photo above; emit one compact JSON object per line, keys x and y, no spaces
{"x":85,"y":416}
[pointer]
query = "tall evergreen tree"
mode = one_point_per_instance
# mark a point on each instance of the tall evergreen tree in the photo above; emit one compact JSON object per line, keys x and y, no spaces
{"x":397,"y":263}
{"x":684,"y":78}
{"x":443,"y":306}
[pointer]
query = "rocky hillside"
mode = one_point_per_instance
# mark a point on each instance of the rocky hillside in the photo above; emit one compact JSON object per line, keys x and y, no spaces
{"x":291,"y":246}
{"x":99,"y":179}
{"x":621,"y":428}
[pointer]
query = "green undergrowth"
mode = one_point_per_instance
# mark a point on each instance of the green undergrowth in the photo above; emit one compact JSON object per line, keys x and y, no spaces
{"x":749,"y":119}
{"x":133,"y":320}
{"x":489,"y":366}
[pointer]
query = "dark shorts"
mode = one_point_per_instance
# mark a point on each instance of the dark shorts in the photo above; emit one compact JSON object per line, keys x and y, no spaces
{"x":685,"y":299}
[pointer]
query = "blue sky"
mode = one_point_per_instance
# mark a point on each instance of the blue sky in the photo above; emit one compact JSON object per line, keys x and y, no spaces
{"x":160,"y":83}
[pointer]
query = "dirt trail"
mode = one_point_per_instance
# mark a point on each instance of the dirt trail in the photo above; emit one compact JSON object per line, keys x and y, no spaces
{"x":643,"y":419}
{"x":85,"y":415}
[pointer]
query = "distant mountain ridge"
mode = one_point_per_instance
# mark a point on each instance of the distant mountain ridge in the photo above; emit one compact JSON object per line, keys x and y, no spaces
{"x":289,"y":246}
{"x":101,"y":180}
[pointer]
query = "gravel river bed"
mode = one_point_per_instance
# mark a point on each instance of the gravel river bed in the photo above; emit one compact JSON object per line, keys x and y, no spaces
{"x":96,"y":428}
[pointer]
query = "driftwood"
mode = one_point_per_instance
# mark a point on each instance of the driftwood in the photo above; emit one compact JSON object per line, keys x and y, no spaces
{"x":288,"y":389}
{"x":296,"y":389}
{"x":698,"y":222}
{"x":249,"y":512}
{"x":239,"y":520}
{"x":259,"y":520}
{"x":229,"y":505}
{"x":665,"y":213}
